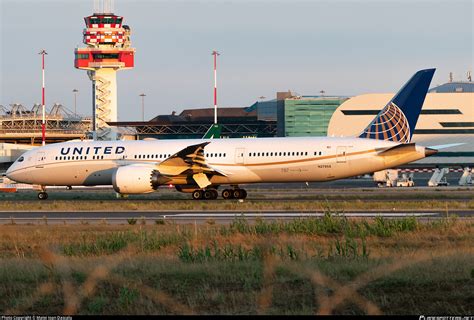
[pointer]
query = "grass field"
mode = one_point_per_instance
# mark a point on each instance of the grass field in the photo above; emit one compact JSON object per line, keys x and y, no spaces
{"x":311,"y":266}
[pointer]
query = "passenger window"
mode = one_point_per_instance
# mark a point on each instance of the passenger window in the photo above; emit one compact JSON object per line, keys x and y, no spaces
{"x":320,"y":152}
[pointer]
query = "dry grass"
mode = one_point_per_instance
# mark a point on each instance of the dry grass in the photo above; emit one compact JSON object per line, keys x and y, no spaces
{"x":248,"y":205}
{"x":427,"y":268}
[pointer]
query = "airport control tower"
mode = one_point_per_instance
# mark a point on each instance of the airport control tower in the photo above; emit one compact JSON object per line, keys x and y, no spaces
{"x":108,"y":51}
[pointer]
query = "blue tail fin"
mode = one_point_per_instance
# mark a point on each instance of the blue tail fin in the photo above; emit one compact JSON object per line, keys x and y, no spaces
{"x":397,"y":121}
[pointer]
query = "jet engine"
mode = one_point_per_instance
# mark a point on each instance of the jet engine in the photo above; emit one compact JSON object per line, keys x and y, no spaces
{"x":134,"y":179}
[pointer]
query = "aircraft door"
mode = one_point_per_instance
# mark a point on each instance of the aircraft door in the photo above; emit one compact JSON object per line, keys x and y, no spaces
{"x":240,"y":155}
{"x":341,"y":154}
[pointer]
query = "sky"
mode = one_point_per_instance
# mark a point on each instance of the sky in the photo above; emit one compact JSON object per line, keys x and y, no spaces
{"x":342,"y":47}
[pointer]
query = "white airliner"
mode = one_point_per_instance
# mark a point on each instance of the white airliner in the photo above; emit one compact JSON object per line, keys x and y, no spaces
{"x":202,"y":166}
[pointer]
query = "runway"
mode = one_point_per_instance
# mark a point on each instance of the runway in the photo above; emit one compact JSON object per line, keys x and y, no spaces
{"x":220,"y":216}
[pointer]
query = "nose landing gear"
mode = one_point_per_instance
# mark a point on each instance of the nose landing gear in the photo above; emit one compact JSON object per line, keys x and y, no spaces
{"x":42,"y":195}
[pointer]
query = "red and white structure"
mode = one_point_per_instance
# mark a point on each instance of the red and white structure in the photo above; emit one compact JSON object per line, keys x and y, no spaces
{"x":43,"y":106}
{"x":108,"y":51}
{"x":215,"y":54}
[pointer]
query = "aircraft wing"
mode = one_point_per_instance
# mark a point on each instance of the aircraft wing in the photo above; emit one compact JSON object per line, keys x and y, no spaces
{"x":190,"y":160}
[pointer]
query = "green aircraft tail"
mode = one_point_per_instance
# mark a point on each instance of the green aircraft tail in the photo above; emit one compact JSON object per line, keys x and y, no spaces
{"x":213,"y":132}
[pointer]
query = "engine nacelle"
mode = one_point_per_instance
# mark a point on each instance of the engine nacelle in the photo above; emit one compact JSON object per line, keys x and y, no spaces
{"x":134,"y":179}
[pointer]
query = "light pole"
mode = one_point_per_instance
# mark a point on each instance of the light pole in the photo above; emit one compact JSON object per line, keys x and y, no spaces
{"x":143,"y":106}
{"x":215,"y":54}
{"x":75,"y":91}
{"x":43,"y":120}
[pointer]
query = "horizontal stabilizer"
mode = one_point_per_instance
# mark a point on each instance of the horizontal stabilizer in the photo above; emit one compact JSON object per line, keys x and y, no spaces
{"x":445,"y":146}
{"x":401,"y":148}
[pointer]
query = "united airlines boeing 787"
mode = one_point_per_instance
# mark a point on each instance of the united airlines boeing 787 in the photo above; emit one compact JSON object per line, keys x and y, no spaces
{"x":202,"y":166}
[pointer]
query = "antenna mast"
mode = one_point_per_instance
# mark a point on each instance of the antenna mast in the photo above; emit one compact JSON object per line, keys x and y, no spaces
{"x":103,"y":6}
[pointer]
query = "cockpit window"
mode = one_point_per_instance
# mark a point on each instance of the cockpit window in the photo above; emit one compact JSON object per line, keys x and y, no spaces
{"x":20,"y":159}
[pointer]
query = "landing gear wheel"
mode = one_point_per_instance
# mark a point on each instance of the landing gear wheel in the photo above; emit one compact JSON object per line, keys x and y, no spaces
{"x":244,"y":194}
{"x":197,"y":194}
{"x":215,"y":194}
{"x":237,"y":193}
{"x":208,"y":195}
{"x":227,"y":194}
{"x":42,"y":196}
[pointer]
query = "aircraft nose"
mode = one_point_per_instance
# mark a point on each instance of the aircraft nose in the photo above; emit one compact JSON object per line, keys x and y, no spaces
{"x":10,"y":172}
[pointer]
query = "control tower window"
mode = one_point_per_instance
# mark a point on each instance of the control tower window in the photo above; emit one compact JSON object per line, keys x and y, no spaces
{"x":94,"y":21}
{"x":82,"y":56}
{"x":106,"y":56}
{"x":107,"y":20}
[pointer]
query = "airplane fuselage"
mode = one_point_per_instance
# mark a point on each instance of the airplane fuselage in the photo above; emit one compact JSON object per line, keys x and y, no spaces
{"x":240,"y":160}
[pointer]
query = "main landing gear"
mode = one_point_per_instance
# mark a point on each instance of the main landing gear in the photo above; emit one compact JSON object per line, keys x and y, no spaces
{"x":236,"y":193}
{"x":212,"y":194}
{"x":42,"y":195}
{"x":208,"y":194}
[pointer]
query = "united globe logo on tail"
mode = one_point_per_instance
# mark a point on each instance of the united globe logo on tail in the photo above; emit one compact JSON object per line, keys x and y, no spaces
{"x":396,"y":122}
{"x":391,"y":124}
